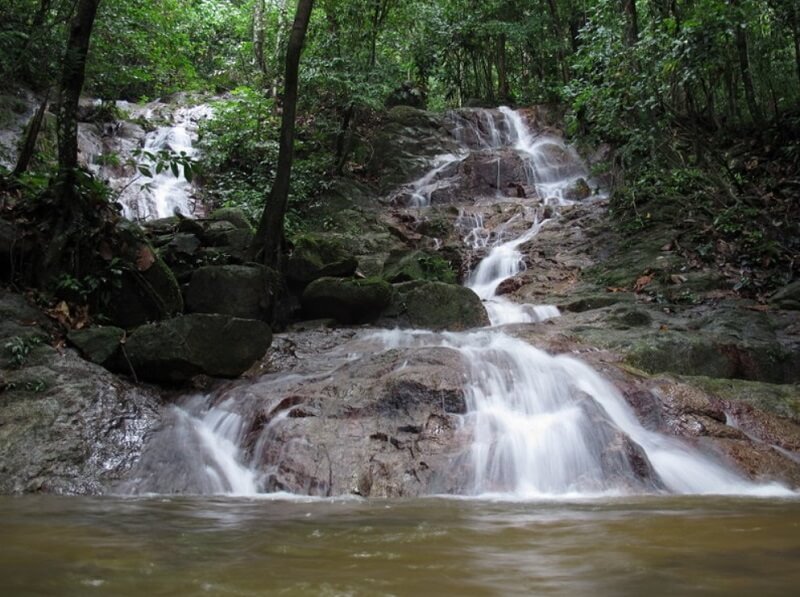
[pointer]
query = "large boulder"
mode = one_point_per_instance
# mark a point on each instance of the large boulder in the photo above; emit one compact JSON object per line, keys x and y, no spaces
{"x":177,"y":349}
{"x":315,"y":256}
{"x":436,"y":306}
{"x":8,"y":239}
{"x":347,"y":300}
{"x":788,"y":297}
{"x":232,"y":215}
{"x":418,"y":265}
{"x":100,"y":344}
{"x":66,"y":425}
{"x":147,"y":289}
{"x":238,"y":290}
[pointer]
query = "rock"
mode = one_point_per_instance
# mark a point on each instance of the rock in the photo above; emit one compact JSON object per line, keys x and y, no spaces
{"x":228,"y":238}
{"x":316,"y":256}
{"x":578,"y":190}
{"x":346,"y":300}
{"x":8,"y":240}
{"x":148,"y":290}
{"x":100,"y":344}
{"x":385,"y":425}
{"x":67,"y":426}
{"x":232,"y":215}
{"x":177,"y":349}
{"x":788,"y":297}
{"x":417,"y":265}
{"x":236,"y":290}
{"x":436,"y":306}
{"x":162,"y":226}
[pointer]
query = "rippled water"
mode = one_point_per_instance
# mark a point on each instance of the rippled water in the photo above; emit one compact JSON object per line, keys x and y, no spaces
{"x":182,"y":546}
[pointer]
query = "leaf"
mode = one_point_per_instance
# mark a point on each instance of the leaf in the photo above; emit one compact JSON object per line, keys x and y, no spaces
{"x":174,"y":167}
{"x":642,"y":282}
{"x":145,"y":258}
{"x":145,"y":171}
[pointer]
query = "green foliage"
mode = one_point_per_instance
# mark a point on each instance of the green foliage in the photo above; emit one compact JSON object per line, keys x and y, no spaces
{"x":18,"y":349}
{"x":240,"y":151}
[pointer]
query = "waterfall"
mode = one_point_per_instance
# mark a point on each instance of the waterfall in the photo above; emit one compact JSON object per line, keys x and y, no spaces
{"x":541,"y":425}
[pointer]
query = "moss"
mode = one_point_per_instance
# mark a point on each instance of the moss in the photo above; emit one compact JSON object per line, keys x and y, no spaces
{"x":418,"y":265}
{"x":233,"y":215}
{"x":347,"y":300}
{"x":781,"y":399}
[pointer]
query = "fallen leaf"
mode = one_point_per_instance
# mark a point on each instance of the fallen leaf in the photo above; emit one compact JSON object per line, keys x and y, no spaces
{"x":615,"y":289}
{"x":641,"y":282}
{"x":663,"y":328}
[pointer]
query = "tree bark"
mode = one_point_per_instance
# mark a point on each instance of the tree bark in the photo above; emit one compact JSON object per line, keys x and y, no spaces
{"x":258,"y":36}
{"x":503,"y":91}
{"x":631,"y":22}
{"x":269,"y":239}
{"x":73,"y":74}
{"x":747,"y":78}
{"x":29,"y":145}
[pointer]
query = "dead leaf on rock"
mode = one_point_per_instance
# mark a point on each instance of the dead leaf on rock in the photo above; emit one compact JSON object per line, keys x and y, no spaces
{"x":615,"y":289}
{"x":663,"y":328}
{"x":145,"y":258}
{"x":641,"y":282}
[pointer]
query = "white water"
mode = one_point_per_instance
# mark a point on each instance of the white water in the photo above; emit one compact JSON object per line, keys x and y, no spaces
{"x":543,"y":426}
{"x":165,"y":194}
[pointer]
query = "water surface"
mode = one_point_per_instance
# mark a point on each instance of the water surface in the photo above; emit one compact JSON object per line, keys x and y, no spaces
{"x":224,"y":546}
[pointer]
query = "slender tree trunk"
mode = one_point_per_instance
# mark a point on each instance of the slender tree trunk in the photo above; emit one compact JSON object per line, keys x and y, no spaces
{"x":503,"y":91}
{"x":747,"y":78}
{"x":796,"y":40}
{"x":72,"y":78}
{"x":29,"y":145}
{"x":269,"y":240}
{"x":631,"y":22}
{"x":258,"y":36}
{"x":279,"y":34}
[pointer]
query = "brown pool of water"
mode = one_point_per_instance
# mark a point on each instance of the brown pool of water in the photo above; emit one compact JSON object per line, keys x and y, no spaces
{"x":241,"y":547}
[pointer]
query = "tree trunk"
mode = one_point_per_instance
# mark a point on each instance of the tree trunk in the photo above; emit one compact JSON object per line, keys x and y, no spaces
{"x":258,"y":36}
{"x":72,"y":78}
{"x":282,"y":15}
{"x":631,"y":23}
{"x":269,"y":240}
{"x":747,"y":78}
{"x":796,"y":39}
{"x":29,"y":145}
{"x":503,"y":91}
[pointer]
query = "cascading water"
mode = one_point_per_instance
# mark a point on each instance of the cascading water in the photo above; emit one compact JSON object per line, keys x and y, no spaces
{"x":164,"y":193}
{"x":540,"y":425}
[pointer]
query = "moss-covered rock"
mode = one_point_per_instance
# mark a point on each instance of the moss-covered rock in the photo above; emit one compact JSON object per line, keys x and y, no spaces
{"x":232,"y":215}
{"x":316,"y":256}
{"x":100,"y":344}
{"x":177,"y":349}
{"x":237,"y":290}
{"x":788,"y":297}
{"x":436,"y":306}
{"x":148,"y":289}
{"x":418,"y":265}
{"x":346,"y":300}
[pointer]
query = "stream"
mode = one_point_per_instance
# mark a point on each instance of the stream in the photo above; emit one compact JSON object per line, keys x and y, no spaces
{"x":544,"y":483}
{"x":226,"y":546}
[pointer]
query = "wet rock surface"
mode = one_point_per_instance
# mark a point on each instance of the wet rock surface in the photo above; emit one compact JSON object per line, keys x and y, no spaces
{"x":66,"y":425}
